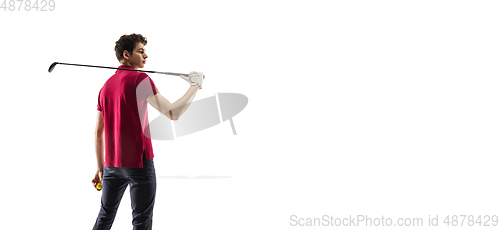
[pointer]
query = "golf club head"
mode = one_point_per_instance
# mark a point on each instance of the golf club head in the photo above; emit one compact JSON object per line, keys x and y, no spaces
{"x":52,"y":66}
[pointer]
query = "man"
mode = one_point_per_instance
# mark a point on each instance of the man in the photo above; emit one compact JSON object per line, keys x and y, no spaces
{"x":123,"y":132}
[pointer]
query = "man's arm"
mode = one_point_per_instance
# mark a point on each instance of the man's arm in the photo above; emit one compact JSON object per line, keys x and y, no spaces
{"x":176,"y":109}
{"x":99,"y":141}
{"x":99,"y":149}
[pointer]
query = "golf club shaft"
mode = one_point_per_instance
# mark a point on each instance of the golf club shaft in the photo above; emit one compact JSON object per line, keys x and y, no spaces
{"x":144,"y":71}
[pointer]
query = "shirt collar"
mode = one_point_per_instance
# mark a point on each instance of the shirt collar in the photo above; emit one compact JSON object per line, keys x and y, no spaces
{"x":126,"y":67}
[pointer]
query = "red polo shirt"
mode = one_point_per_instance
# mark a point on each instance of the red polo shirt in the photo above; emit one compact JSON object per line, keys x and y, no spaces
{"x":123,"y":103}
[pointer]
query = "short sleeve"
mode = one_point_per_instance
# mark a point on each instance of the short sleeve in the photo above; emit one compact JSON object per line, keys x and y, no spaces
{"x":99,"y":101}
{"x":145,"y":87}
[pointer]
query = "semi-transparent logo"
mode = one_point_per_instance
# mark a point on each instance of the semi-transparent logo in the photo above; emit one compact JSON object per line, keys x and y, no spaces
{"x":201,"y":114}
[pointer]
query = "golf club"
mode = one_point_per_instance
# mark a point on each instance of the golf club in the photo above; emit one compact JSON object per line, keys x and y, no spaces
{"x":51,"y":68}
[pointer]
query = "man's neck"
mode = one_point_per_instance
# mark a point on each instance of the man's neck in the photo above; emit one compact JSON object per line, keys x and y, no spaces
{"x":127,"y":63}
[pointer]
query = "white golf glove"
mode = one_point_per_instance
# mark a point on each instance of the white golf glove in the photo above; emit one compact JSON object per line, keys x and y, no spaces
{"x":195,"y":78}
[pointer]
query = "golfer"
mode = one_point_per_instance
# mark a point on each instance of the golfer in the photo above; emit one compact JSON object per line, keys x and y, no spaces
{"x":123,"y":150}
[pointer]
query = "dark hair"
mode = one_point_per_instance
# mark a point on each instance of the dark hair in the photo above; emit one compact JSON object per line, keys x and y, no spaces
{"x":128,"y":42}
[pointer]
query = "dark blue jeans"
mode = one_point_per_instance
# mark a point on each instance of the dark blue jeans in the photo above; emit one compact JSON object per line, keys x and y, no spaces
{"x":142,"y":183}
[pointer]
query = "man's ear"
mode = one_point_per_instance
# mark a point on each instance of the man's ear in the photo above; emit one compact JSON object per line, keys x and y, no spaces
{"x":126,"y":55}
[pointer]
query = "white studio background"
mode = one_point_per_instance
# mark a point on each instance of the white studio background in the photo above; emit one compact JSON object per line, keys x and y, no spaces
{"x":379,"y":108}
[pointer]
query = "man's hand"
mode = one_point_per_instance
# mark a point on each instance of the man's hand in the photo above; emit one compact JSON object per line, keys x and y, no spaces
{"x":97,"y":179}
{"x":195,"y":78}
